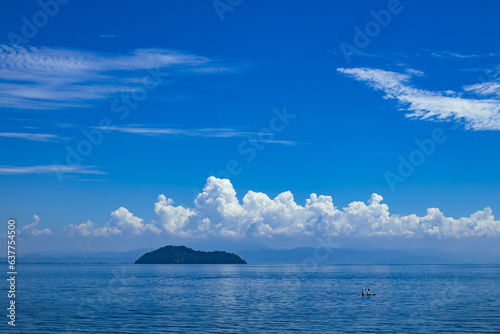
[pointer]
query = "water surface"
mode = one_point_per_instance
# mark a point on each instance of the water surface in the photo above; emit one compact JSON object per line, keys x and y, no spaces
{"x":250,"y":298}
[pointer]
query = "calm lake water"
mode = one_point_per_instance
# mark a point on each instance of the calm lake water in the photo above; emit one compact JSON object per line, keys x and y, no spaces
{"x":248,"y":298}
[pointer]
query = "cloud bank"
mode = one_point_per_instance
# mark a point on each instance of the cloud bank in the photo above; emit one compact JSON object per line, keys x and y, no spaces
{"x":217,"y":212}
{"x":480,"y":113}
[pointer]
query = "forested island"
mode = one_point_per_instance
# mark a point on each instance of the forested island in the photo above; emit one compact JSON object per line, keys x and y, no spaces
{"x":185,"y":255}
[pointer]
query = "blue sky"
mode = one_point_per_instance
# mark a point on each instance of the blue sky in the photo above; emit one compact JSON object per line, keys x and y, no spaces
{"x":218,"y":78}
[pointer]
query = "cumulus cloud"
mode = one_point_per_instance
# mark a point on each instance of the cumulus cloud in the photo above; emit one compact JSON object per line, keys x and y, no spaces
{"x":125,"y":221}
{"x":122,"y":222}
{"x":90,"y":229}
{"x":173,"y":219}
{"x":56,"y":78}
{"x":217,"y":212}
{"x":32,"y":229}
{"x":475,"y":113}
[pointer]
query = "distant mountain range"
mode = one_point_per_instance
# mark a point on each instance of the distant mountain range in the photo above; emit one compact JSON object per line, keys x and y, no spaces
{"x":324,"y":256}
{"x":255,"y":255}
{"x":83,"y":257}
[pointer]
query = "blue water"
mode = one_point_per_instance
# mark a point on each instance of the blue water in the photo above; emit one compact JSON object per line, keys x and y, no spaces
{"x":252,"y":299}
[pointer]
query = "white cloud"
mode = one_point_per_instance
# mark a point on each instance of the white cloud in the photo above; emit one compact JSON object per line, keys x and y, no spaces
{"x":173,"y":219}
{"x":55,"y":78}
{"x":32,"y":229}
{"x":122,"y":222}
{"x":48,"y":169}
{"x":282,"y":142}
{"x":486,"y":89}
{"x":90,"y":229}
{"x":448,"y":55}
{"x":110,"y":36}
{"x":205,"y":132}
{"x":217,"y":212}
{"x":412,"y":71}
{"x":477,"y":114}
{"x":125,"y":221}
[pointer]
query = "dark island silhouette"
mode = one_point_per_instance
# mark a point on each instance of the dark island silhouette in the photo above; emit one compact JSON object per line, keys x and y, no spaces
{"x":185,"y":255}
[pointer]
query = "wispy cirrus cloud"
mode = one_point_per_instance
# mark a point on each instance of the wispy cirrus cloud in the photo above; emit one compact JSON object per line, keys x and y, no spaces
{"x":110,"y":36}
{"x":268,"y":141}
{"x":491,"y":88}
{"x":202,"y":132}
{"x":477,"y":113}
{"x":44,"y":137}
{"x":47,"y":169}
{"x":449,"y":54}
{"x":205,"y":132}
{"x":56,"y":78}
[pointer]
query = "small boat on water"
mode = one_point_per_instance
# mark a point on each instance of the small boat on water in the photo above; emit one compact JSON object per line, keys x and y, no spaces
{"x":367,"y":293}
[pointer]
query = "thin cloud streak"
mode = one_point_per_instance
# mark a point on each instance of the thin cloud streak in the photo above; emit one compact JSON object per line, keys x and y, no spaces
{"x":449,"y":55}
{"x":43,"y":137}
{"x":283,"y":142}
{"x":48,"y":169}
{"x":204,"y":132}
{"x":209,"y":132}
